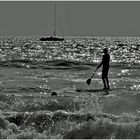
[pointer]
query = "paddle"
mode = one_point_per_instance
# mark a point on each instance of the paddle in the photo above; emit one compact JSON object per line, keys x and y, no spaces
{"x":89,"y":80}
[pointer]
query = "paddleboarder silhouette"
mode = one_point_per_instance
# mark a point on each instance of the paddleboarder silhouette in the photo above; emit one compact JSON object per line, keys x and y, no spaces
{"x":105,"y":62}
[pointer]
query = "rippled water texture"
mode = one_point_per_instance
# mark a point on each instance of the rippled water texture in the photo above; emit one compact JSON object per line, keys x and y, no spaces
{"x":30,"y":70}
{"x":75,"y":49}
{"x":29,"y":67}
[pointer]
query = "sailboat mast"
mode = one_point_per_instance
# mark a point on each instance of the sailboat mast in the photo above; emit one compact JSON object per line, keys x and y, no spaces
{"x":54,"y":20}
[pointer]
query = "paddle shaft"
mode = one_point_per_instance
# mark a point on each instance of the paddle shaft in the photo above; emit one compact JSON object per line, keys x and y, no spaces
{"x":93,"y":73}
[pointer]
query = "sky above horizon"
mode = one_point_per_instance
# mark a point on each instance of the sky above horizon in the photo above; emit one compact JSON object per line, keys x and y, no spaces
{"x":74,"y":18}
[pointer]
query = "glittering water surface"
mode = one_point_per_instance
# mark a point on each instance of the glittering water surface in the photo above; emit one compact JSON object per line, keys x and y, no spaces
{"x":31,"y":67}
{"x":75,"y":49}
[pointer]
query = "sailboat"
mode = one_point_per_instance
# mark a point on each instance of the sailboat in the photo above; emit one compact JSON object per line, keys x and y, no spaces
{"x":54,"y":37}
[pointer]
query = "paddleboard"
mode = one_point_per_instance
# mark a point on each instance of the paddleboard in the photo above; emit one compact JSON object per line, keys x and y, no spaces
{"x":97,"y":90}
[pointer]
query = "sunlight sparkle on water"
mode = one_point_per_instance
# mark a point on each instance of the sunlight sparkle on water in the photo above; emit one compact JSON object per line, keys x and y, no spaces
{"x":135,"y":87}
{"x":80,"y":49}
{"x":124,"y":72}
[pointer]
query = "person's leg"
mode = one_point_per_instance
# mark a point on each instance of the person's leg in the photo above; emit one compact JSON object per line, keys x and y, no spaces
{"x":104,"y":82}
{"x":107,"y":83}
{"x":106,"y":78}
{"x":104,"y":74}
{"x":103,"y":78}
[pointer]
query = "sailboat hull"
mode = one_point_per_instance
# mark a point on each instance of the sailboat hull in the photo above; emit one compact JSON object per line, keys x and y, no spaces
{"x":51,"y":39}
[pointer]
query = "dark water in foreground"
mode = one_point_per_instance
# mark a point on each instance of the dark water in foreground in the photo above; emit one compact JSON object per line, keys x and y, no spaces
{"x":31,"y":70}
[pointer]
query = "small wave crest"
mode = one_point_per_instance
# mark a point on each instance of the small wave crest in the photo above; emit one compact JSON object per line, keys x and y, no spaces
{"x":58,"y":64}
{"x":53,"y":64}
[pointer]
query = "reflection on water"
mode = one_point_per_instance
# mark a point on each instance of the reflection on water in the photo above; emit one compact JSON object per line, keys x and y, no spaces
{"x":76,"y":49}
{"x":135,"y":87}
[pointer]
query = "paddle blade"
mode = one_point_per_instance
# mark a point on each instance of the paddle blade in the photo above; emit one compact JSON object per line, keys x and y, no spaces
{"x":88,"y":81}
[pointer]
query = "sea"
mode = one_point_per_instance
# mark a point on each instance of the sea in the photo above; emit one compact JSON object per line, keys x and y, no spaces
{"x":31,"y":70}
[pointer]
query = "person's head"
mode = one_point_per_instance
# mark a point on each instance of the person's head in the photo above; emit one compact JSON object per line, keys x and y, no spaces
{"x":105,"y":50}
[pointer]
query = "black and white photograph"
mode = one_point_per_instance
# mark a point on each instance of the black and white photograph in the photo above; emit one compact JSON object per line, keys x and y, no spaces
{"x":69,"y":69}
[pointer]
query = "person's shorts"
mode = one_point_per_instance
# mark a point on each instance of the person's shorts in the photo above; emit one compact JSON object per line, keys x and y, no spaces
{"x":105,"y":73}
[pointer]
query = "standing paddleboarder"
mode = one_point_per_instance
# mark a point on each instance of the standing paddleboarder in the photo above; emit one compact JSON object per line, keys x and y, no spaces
{"x":105,"y":62}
